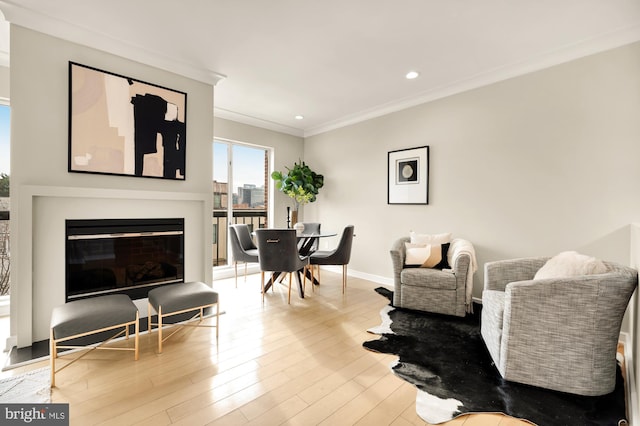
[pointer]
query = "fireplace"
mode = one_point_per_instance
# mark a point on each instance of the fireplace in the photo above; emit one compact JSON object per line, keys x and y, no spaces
{"x":122,"y":256}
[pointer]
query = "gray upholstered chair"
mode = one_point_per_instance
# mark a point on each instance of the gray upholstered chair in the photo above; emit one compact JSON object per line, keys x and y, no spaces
{"x":341,"y":255}
{"x":434,"y":290}
{"x":555,"y":333}
{"x":242,"y":247}
{"x":278,"y":253}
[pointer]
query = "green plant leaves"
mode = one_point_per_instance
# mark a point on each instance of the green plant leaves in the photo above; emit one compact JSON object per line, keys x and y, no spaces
{"x":300,"y":183}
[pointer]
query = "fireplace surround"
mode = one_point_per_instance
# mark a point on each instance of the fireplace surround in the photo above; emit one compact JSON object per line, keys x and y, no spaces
{"x":122,"y":256}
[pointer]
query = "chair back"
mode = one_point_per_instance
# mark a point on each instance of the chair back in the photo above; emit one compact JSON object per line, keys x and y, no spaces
{"x":244,"y":236}
{"x":342,"y":254}
{"x":278,"y":250}
{"x":241,"y":242}
{"x":311,"y":228}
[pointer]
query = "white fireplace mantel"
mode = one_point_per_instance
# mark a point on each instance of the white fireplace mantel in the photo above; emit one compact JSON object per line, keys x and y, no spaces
{"x":38,"y":275}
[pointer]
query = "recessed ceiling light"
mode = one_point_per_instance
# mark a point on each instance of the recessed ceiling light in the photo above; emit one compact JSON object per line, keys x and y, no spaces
{"x":412,"y":74}
{"x":299,"y":117}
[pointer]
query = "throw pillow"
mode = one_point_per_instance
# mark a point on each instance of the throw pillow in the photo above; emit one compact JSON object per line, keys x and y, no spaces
{"x":416,"y":254}
{"x":430,"y":238}
{"x":427,"y":255}
{"x":438,"y":258}
{"x":570,"y":264}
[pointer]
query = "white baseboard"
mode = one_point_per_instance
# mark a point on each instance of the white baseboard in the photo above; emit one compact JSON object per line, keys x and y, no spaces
{"x":630,"y":381}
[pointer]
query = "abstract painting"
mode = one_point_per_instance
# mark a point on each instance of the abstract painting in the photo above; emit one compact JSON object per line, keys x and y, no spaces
{"x":122,"y":126}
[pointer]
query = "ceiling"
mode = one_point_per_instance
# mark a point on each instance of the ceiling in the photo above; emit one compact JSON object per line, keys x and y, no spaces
{"x":335,"y":62}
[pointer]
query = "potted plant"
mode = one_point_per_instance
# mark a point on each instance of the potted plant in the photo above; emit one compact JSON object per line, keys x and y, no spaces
{"x":300,"y":183}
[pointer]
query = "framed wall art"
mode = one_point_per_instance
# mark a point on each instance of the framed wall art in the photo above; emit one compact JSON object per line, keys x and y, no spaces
{"x":408,"y":176}
{"x":122,"y":126}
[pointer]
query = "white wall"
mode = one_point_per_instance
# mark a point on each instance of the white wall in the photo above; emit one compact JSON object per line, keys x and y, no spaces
{"x":538,"y":164}
{"x":45,"y":194}
{"x":4,"y":82}
{"x":534,"y":165}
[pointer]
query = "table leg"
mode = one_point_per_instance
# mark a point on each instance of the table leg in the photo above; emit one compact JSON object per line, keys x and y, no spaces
{"x":272,"y":280}
{"x":311,"y":277}
{"x":300,"y":287}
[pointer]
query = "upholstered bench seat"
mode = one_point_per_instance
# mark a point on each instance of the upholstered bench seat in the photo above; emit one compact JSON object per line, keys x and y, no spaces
{"x":174,"y":299}
{"x":90,"y":316}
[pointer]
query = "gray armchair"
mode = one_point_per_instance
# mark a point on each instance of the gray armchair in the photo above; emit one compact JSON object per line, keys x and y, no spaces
{"x":434,"y":290}
{"x":555,"y":333}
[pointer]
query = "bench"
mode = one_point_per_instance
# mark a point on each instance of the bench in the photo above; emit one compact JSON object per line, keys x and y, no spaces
{"x":84,"y":317}
{"x":174,"y":299}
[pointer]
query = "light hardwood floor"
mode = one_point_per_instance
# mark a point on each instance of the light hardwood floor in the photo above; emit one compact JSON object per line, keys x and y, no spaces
{"x":298,"y":364}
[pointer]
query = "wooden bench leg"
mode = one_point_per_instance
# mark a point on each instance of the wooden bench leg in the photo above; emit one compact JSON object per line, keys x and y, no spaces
{"x":149,"y":327}
{"x":136,"y":339}
{"x":159,"y":329}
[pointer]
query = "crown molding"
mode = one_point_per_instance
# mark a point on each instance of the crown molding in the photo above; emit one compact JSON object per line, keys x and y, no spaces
{"x":37,"y":21}
{"x":568,"y":53}
{"x":40,"y":22}
{"x":257,"y":122}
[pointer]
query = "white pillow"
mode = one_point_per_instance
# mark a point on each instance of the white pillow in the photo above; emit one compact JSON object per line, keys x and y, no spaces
{"x":430,"y":238}
{"x":417,"y":254}
{"x":570,"y":264}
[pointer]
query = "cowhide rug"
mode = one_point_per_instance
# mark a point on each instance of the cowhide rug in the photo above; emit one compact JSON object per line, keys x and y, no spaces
{"x":446,"y":359}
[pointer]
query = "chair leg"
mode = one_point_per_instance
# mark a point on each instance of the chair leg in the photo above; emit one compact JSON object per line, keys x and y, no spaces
{"x":304,"y":279}
{"x":344,"y":278}
{"x":304,"y":283}
{"x":245,"y":272}
{"x":262,"y":284}
{"x":235,"y":267}
{"x":159,"y":329}
{"x":289,"y":299}
{"x":217,"y":320}
{"x":52,"y":356}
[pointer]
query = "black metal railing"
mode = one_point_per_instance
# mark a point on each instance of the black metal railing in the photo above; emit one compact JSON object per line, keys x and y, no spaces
{"x":253,"y":218}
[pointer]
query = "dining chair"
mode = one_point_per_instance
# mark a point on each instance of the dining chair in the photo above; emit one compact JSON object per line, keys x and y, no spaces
{"x":242,"y":247}
{"x":278,"y":254}
{"x":338,"y":256}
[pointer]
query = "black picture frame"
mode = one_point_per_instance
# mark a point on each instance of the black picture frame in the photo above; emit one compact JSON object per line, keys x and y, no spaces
{"x":122,"y":126}
{"x":408,"y":176}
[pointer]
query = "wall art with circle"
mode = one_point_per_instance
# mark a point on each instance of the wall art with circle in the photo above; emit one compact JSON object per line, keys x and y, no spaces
{"x":408,"y":176}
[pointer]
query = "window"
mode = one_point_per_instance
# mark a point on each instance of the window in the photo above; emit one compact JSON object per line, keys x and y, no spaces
{"x":240,"y":191}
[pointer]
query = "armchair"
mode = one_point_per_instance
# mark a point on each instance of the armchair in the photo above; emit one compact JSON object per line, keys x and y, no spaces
{"x":434,"y":290}
{"x":555,"y":333}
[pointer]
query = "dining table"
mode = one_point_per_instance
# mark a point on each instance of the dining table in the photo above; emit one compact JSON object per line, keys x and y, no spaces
{"x":306,"y":246}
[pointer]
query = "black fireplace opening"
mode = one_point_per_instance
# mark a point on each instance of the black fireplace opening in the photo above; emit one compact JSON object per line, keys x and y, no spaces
{"x":122,"y":256}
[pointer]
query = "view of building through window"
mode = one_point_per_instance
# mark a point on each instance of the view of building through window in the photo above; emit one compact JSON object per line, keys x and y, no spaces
{"x":5,"y":205}
{"x":240,"y":195}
